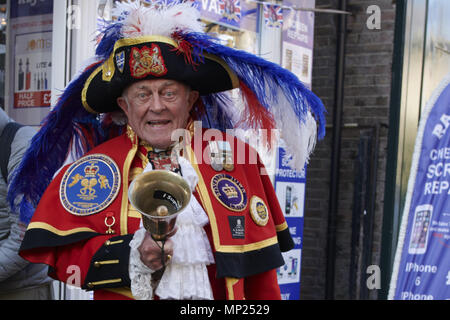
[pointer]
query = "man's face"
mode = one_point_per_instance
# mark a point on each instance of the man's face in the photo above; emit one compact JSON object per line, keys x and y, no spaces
{"x":156,"y":108}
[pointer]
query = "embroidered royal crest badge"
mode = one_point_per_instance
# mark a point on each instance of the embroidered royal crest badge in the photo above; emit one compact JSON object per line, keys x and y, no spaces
{"x":229,"y":192}
{"x":258,"y":211}
{"x":147,"y":61}
{"x":90,"y":185}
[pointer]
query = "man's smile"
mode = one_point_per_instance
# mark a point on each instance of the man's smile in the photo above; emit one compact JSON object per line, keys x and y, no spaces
{"x":158,"y":123}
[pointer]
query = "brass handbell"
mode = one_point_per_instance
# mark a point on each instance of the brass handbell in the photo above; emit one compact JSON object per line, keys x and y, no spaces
{"x":159,"y":195}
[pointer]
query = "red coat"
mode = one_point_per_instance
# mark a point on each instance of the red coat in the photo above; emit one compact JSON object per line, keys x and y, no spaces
{"x":72,"y":236}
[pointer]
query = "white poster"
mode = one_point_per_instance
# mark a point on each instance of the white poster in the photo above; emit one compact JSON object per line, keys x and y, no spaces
{"x":30,"y":44}
{"x":32,"y":73}
{"x":290,"y":272}
{"x":298,"y":40}
{"x":298,"y":60}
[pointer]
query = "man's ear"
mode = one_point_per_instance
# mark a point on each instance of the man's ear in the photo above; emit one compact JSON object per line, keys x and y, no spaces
{"x":193,"y":96}
{"x":123,"y":104}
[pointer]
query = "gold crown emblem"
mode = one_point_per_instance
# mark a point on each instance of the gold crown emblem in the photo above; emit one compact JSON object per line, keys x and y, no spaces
{"x":261,"y":210}
{"x":230,"y":191}
{"x":91,"y":170}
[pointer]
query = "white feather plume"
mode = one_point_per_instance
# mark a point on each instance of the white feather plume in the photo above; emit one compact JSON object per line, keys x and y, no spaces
{"x":157,"y":19}
{"x":299,"y":139}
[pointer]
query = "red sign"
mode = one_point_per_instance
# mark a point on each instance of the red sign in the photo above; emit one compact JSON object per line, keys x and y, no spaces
{"x":29,"y":99}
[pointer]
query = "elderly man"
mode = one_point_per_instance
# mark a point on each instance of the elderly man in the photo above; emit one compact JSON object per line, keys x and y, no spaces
{"x":228,"y":241}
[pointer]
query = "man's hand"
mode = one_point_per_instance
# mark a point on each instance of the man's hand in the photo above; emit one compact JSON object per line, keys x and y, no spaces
{"x":151,"y":254}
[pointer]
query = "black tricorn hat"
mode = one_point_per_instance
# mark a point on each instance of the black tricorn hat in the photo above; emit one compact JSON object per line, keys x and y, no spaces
{"x":153,"y":57}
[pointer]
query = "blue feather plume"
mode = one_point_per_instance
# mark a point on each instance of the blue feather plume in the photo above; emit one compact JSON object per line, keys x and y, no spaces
{"x":49,"y":148}
{"x":111,"y":34}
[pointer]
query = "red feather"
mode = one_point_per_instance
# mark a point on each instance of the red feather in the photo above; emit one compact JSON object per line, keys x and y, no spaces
{"x":256,"y":116}
{"x":185,"y":48}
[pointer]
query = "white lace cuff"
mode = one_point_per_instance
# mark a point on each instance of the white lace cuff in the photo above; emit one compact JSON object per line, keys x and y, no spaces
{"x":183,"y":282}
{"x":140,"y":274}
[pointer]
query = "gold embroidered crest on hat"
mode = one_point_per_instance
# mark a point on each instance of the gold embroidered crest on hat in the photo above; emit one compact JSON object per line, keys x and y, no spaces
{"x":147,"y":61}
{"x":90,"y":185}
{"x":258,"y":211}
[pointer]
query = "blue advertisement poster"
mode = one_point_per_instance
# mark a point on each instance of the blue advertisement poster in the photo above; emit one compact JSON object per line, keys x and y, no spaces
{"x":421,"y":266}
{"x":290,"y":189}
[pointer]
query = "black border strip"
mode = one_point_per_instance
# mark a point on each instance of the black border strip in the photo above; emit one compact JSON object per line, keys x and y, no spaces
{"x":241,"y":265}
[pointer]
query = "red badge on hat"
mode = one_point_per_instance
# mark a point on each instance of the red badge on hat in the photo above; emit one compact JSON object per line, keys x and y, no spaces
{"x":147,"y":61}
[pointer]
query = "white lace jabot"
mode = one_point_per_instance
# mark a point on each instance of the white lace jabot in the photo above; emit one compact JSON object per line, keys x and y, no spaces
{"x":186,"y":276}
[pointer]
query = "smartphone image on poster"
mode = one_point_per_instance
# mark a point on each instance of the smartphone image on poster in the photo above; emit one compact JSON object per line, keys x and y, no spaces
{"x":419,"y":232}
{"x":288,"y":200}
